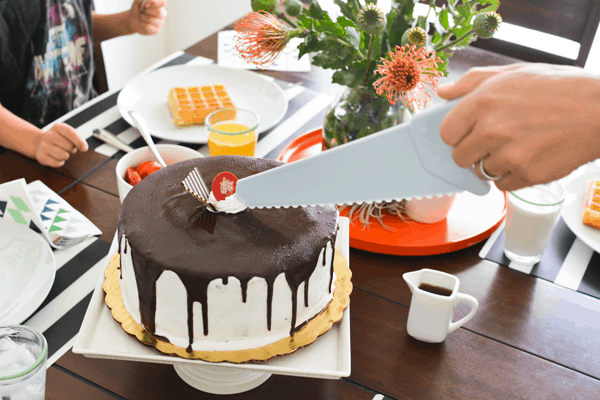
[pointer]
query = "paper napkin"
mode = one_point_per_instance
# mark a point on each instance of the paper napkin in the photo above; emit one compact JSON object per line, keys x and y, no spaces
{"x":42,"y":210}
{"x":229,"y":57}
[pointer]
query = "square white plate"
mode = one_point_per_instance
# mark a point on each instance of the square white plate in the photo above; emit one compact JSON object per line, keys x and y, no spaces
{"x":328,"y":357}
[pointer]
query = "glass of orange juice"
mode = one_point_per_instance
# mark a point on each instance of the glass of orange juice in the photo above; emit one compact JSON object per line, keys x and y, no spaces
{"x":232,"y":131}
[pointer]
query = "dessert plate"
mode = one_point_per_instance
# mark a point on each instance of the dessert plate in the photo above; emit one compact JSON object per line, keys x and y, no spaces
{"x":147,"y":94}
{"x":27,"y":270}
{"x":328,"y":357}
{"x":573,"y":207}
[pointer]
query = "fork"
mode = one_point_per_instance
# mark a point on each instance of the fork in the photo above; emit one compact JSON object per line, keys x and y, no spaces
{"x":62,"y":242}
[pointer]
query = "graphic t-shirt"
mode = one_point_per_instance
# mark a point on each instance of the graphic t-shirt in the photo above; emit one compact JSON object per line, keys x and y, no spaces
{"x":46,"y":57}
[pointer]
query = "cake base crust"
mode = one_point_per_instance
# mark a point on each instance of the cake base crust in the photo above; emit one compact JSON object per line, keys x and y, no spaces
{"x":303,"y":337}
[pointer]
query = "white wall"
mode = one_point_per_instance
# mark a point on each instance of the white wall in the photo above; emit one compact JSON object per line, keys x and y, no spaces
{"x":592,"y":63}
{"x":188,"y":22}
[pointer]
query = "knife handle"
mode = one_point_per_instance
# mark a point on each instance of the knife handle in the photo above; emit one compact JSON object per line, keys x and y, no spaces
{"x":436,"y":155}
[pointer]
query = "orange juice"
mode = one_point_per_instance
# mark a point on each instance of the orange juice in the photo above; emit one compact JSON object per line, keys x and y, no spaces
{"x":242,"y":144}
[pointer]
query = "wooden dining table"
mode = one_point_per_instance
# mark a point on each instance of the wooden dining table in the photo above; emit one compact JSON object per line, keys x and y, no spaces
{"x":530,"y":338}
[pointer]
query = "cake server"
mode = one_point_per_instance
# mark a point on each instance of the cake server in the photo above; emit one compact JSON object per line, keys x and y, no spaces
{"x":402,"y":162}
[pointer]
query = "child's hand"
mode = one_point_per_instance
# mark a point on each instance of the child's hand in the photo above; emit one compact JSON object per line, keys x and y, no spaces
{"x":57,"y":144}
{"x":147,"y":17}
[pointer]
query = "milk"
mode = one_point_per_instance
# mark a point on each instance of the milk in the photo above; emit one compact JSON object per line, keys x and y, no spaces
{"x":529,"y":226}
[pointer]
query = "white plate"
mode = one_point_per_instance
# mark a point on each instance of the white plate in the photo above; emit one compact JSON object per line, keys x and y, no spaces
{"x":573,"y":207}
{"x":147,"y":94}
{"x":27,"y":270}
{"x":328,"y":357}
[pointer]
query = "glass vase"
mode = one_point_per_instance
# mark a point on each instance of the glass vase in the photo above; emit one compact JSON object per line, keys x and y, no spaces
{"x":359,"y":112}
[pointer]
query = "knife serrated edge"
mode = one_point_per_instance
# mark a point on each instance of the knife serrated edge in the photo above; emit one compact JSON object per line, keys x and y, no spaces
{"x":429,"y":196}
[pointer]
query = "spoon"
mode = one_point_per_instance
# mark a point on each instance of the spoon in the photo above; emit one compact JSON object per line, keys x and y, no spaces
{"x":143,"y":128}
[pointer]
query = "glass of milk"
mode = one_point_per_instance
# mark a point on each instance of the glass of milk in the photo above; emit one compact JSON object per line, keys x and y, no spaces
{"x":23,"y":354}
{"x":531,"y":214}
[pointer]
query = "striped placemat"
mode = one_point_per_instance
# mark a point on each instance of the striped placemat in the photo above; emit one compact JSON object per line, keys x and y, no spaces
{"x":567,"y":261}
{"x":61,"y":314}
{"x":304,"y":107}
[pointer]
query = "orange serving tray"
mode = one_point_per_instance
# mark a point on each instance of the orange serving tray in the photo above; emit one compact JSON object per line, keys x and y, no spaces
{"x":471,"y":218}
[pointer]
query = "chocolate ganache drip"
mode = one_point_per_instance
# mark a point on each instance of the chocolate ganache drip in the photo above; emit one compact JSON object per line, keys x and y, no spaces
{"x":168,"y":229}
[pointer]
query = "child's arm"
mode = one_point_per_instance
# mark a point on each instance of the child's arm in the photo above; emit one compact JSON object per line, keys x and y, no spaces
{"x":51,"y":148}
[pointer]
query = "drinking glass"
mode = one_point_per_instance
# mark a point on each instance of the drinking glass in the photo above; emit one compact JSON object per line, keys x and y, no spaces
{"x":531,"y":214}
{"x":232,"y":131}
{"x":23,"y":354}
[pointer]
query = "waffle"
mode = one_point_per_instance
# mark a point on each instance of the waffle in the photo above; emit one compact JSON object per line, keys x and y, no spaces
{"x":191,"y":105}
{"x":591,"y":204}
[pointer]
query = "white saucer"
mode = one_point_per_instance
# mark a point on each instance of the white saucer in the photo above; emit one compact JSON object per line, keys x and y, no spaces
{"x":573,"y":207}
{"x":27,"y":271}
{"x":327,"y":358}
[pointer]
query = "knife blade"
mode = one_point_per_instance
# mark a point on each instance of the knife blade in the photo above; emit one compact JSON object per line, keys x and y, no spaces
{"x":402,"y":162}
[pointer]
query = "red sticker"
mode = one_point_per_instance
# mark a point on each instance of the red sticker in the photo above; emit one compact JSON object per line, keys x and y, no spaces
{"x":224,"y":185}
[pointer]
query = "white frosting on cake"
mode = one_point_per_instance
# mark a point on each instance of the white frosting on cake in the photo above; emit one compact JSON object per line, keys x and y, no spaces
{"x":233,"y":324}
{"x":231,"y":205}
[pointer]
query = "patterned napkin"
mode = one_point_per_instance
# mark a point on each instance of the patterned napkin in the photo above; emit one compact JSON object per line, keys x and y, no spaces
{"x":229,"y":57}
{"x":45,"y":212}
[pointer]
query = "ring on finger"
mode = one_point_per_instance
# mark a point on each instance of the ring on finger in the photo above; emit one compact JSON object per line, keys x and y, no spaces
{"x":488,"y":176}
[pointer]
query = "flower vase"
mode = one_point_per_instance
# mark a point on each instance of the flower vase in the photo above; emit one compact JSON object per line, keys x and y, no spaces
{"x":359,"y":112}
{"x":429,"y":210}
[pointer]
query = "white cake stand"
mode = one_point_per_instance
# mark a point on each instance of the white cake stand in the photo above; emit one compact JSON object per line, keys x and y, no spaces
{"x":327,"y":358}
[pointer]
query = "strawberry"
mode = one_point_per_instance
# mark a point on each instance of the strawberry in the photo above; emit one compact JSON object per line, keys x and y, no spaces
{"x":148,"y":167}
{"x":132,"y":177}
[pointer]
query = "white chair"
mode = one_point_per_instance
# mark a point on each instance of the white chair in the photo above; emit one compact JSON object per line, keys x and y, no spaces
{"x":188,"y":22}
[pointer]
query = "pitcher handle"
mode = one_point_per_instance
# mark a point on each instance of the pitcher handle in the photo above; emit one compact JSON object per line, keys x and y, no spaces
{"x":471,"y":301}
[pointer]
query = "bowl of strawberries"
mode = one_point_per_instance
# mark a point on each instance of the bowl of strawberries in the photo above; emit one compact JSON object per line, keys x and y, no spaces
{"x":138,"y":164}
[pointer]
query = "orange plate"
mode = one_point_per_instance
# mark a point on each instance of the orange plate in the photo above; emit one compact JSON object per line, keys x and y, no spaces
{"x":471,"y":218}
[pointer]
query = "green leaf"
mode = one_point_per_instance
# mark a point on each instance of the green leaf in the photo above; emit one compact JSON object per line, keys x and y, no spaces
{"x":307,"y":21}
{"x":345,"y":22}
{"x":465,"y":11}
{"x":310,"y":44}
{"x":315,"y":10}
{"x":346,"y":10}
{"x":350,"y":77}
{"x":443,"y":18}
{"x":396,"y":28}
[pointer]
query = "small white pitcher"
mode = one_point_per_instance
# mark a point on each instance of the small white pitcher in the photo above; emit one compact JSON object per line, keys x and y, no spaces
{"x":430,"y":315}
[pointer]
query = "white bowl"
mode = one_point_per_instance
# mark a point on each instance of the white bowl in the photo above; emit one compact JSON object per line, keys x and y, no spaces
{"x":171,"y":153}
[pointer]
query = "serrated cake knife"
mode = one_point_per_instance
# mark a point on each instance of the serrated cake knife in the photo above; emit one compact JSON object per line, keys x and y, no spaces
{"x":402,"y":162}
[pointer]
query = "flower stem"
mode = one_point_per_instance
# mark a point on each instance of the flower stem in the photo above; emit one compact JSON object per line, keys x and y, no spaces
{"x":284,"y":17}
{"x":452,"y":43}
{"x":369,"y":59}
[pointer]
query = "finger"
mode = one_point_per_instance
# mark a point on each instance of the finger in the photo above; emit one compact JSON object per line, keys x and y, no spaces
{"x":160,"y":13}
{"x":58,"y":140}
{"x":153,"y":5}
{"x":511,"y":182}
{"x":458,"y":122}
{"x":471,"y":80}
{"x":475,"y":145}
{"x":71,"y":135}
{"x":492,"y":166}
{"x":152,"y":21}
{"x":50,"y":161}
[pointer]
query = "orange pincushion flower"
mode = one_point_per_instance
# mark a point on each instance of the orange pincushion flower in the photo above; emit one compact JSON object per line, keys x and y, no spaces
{"x":260,"y":38}
{"x":407,"y":75}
